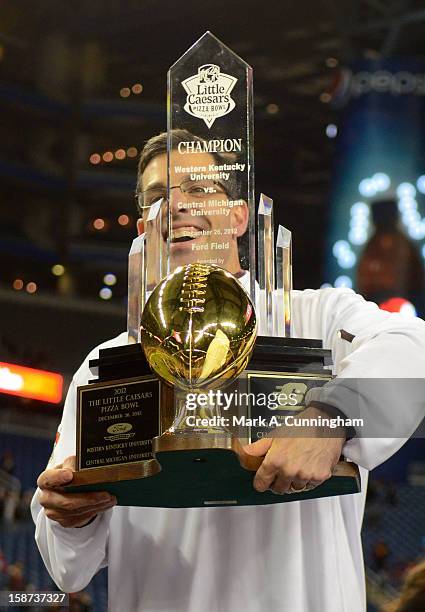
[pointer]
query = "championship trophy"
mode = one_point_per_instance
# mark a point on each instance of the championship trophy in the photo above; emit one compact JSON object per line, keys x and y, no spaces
{"x":154,"y":429}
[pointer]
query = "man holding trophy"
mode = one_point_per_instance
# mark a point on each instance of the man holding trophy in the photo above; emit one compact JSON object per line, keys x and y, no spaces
{"x":303,"y":555}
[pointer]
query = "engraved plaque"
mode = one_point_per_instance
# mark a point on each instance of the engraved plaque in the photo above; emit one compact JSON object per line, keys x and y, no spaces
{"x":116,"y":422}
{"x":284,"y":396}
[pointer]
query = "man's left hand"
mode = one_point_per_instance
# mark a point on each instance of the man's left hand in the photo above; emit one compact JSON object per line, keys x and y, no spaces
{"x":297,"y":461}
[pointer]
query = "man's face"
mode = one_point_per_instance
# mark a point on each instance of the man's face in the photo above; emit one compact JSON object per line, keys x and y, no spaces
{"x":204,"y":225}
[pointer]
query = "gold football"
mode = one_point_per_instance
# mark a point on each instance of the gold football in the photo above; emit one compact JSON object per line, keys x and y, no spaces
{"x":198,"y":327}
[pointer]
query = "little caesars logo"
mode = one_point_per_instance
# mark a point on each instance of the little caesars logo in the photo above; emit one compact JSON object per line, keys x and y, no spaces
{"x":208,"y":93}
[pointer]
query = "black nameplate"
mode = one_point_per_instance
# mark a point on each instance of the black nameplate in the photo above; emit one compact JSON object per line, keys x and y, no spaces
{"x":116,"y":422}
{"x":284,"y":395}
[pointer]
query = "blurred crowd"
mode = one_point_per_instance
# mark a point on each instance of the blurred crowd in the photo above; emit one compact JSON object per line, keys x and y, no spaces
{"x":14,"y":501}
{"x":382,"y":498}
{"x":12,"y":578}
{"x":15,"y":508}
{"x":412,"y":594}
{"x":406,"y":577}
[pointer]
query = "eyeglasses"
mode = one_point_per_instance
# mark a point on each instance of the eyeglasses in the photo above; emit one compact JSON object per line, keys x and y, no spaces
{"x":197,"y":190}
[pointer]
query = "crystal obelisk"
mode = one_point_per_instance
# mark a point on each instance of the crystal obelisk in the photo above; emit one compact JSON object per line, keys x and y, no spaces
{"x":211,"y":160}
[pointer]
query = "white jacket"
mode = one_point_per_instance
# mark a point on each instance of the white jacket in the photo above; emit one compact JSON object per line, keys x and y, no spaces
{"x":293,"y":557}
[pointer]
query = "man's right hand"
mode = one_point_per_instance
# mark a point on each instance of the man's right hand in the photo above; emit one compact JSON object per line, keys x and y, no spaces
{"x":70,"y":509}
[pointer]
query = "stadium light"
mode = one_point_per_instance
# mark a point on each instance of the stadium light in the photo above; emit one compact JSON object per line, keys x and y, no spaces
{"x":30,"y":383}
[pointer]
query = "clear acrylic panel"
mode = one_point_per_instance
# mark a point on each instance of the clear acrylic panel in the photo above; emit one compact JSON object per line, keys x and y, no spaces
{"x":283,"y":282}
{"x":265,"y":262}
{"x":136,"y":287}
{"x":156,"y":245}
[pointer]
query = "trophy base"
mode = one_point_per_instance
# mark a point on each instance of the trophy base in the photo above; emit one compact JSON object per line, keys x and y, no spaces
{"x":193,"y":470}
{"x":199,"y":472}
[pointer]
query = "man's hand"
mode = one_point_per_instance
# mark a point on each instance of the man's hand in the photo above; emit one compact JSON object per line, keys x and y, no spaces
{"x":297,"y":463}
{"x":69,"y":509}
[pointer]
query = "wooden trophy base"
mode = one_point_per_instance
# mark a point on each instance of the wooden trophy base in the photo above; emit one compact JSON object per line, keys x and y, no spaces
{"x":198,"y":470}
